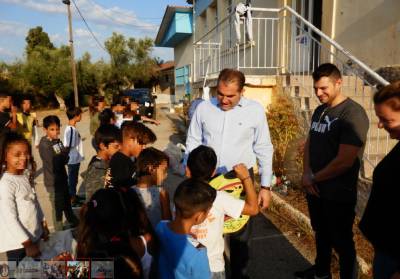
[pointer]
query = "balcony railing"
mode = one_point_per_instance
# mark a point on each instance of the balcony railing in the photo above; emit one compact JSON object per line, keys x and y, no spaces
{"x":284,"y":43}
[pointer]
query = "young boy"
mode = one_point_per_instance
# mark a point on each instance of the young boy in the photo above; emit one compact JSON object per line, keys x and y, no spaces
{"x":73,"y":141}
{"x":7,"y":123}
{"x":27,"y":122}
{"x":135,"y":137}
{"x":108,"y":139}
{"x":201,"y":165}
{"x":182,"y":257}
{"x":55,"y":156}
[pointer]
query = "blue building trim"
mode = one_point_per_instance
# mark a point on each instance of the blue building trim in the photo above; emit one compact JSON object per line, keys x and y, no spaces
{"x":176,"y":26}
{"x":179,"y":29}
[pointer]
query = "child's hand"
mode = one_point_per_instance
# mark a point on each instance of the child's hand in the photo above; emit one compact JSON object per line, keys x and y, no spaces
{"x":64,"y":256}
{"x":241,"y":171}
{"x":31,"y":249}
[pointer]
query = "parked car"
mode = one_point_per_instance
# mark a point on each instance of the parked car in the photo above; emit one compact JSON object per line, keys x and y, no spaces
{"x":147,"y":103}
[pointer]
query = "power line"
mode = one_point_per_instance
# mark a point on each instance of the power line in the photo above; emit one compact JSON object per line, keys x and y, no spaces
{"x":88,"y":27}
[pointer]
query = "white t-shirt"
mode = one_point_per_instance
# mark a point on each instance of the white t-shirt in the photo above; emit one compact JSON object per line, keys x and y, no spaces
{"x":76,"y":151}
{"x":210,"y":232}
{"x":20,"y":212}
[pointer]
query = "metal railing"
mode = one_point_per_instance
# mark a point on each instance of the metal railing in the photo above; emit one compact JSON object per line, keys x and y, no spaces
{"x":284,"y":43}
{"x":236,"y":45}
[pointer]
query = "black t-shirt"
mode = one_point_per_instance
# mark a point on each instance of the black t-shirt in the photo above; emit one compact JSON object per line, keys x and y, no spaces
{"x":345,"y":123}
{"x":4,"y":121}
{"x":379,"y":221}
{"x":122,"y":171}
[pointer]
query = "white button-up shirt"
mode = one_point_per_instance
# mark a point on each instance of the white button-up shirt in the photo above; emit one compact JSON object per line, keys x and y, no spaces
{"x":20,"y":212}
{"x":238,"y":135}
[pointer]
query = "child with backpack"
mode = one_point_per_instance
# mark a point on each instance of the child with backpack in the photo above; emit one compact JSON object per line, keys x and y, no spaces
{"x":73,"y":141}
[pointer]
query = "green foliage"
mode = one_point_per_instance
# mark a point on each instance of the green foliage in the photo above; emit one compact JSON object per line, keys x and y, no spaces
{"x":131,"y":63}
{"x":37,"y":38}
{"x":46,"y":71}
{"x":284,"y":127}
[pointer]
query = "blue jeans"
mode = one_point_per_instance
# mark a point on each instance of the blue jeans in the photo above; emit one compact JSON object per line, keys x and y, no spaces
{"x":73,"y":173}
{"x":384,"y":265}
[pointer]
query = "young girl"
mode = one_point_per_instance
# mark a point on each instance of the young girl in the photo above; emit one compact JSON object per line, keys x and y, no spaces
{"x":20,"y":212}
{"x":152,"y":166}
{"x":109,"y":229}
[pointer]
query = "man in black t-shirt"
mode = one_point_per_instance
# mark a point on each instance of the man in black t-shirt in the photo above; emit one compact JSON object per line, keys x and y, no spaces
{"x":332,"y":159}
{"x":6,"y":122}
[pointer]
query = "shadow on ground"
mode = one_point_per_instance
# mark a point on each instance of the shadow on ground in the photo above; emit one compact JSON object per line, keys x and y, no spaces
{"x":271,"y":254}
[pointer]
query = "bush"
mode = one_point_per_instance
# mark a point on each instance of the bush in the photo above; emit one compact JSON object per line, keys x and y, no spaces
{"x":284,"y":128}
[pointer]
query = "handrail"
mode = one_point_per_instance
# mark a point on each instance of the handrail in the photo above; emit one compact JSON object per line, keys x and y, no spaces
{"x":367,"y":69}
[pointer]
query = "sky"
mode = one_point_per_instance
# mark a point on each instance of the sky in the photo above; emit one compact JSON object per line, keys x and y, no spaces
{"x":132,"y":18}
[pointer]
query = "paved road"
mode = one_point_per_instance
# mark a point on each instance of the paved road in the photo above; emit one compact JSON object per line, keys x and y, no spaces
{"x":271,"y":254}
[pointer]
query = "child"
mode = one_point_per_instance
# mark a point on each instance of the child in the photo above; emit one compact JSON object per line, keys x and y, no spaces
{"x":55,"y":156}
{"x":104,"y":232}
{"x":180,"y":255}
{"x":107,"y":138}
{"x":135,"y":137}
{"x":127,"y":116}
{"x":23,"y":222}
{"x":107,"y":116}
{"x":201,"y":164}
{"x":152,"y":166}
{"x":97,"y":107}
{"x":7,"y":123}
{"x":135,"y":111}
{"x":27,"y":122}
{"x":73,"y":141}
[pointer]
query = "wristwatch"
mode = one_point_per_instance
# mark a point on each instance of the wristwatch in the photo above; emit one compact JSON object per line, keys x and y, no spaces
{"x":266,"y":188}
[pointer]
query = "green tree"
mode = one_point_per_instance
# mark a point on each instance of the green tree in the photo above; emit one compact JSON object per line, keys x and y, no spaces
{"x":37,"y":38}
{"x":131,"y":62}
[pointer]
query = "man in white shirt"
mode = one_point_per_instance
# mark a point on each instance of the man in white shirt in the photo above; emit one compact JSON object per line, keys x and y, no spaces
{"x":237,"y":129}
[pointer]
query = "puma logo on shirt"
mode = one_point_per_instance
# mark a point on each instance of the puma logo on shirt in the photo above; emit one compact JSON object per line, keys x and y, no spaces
{"x":322,"y":127}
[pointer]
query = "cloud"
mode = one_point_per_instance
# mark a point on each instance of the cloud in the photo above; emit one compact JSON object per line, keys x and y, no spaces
{"x":48,"y":6}
{"x":7,"y":52}
{"x":13,"y":28}
{"x":94,"y":13}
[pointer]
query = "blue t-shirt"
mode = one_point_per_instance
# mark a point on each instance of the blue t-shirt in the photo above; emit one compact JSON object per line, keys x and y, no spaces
{"x":179,"y":258}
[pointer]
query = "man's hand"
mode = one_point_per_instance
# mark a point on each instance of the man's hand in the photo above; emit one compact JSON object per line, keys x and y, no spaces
{"x":309,"y":185}
{"x":241,"y":171}
{"x":46,"y":232}
{"x":264,"y":198}
{"x":395,"y":276}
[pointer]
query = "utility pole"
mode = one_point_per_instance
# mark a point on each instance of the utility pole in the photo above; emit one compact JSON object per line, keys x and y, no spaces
{"x":71,"y":46}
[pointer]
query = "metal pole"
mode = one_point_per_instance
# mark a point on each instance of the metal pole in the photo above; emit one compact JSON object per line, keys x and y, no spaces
{"x":71,"y":45}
